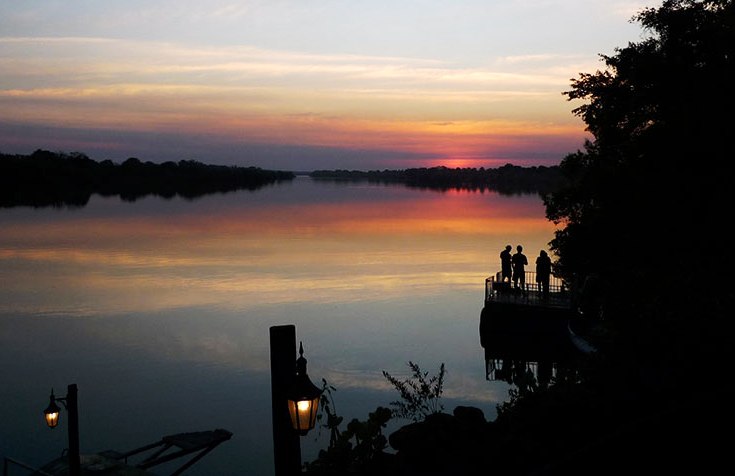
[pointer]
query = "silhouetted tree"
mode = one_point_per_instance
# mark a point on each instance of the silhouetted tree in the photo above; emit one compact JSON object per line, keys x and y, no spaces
{"x":645,"y":208}
{"x":648,"y":198}
{"x":508,"y":179}
{"x":47,"y":178}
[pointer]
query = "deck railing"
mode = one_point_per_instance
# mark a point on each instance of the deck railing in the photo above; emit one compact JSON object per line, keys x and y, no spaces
{"x":560,"y":294}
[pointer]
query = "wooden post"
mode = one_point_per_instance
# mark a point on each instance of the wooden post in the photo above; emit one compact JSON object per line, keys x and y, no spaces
{"x":286,"y":444}
{"x":72,"y":408}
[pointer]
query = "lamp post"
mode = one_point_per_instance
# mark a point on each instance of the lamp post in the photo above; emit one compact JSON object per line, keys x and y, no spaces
{"x":51,"y":415}
{"x":294,"y":400}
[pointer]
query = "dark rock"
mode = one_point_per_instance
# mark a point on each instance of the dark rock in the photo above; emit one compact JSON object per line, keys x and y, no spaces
{"x":469,"y":415}
{"x":442,"y":444}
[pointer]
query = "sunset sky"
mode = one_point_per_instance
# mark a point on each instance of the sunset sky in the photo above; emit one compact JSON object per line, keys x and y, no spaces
{"x":303,"y":84}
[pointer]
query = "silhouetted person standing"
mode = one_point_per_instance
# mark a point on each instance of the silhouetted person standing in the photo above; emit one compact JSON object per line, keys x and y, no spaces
{"x":520,"y":262}
{"x":543,"y":273}
{"x":506,"y":264}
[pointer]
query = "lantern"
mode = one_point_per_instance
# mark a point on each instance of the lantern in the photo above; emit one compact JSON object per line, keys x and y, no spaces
{"x":303,"y":398}
{"x":51,"y":413}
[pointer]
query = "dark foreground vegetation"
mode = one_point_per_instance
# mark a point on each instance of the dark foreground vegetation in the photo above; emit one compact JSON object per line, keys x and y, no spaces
{"x":645,"y":211}
{"x":46,"y":178}
{"x":508,"y":179}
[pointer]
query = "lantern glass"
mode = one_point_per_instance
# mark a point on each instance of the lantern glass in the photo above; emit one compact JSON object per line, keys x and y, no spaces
{"x":52,"y":419}
{"x":303,"y":414}
{"x":51,"y":413}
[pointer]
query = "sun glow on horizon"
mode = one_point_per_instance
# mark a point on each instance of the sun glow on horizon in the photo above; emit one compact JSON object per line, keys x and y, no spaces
{"x":293,"y":97}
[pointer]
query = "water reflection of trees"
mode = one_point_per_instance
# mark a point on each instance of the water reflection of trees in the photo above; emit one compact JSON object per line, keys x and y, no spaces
{"x":59,"y":179}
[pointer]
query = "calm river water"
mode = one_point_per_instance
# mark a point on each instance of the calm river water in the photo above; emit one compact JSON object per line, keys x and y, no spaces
{"x":159,"y":310}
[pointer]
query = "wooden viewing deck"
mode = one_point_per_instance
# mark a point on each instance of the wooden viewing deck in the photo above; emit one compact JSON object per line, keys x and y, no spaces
{"x":526,"y":333}
{"x":560,"y":295}
{"x":514,"y":310}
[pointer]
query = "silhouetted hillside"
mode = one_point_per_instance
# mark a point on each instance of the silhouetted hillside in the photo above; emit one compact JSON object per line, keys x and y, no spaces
{"x":508,"y":179}
{"x":58,"y":179}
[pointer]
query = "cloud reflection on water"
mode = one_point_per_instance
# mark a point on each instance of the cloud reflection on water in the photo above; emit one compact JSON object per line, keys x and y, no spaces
{"x":172,"y":294}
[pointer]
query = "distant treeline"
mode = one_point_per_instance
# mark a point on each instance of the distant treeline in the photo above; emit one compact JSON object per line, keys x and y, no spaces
{"x":508,"y":179}
{"x":59,"y":179}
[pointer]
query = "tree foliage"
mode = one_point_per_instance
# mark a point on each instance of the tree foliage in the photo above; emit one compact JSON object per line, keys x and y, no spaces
{"x":361,"y":447}
{"x":58,"y":179}
{"x":508,"y":179}
{"x":646,"y":200}
{"x":358,"y":449}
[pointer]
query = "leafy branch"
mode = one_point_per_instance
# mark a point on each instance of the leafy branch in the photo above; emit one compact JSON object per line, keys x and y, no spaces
{"x":360,"y":448}
{"x":356,"y":450}
{"x":420,"y":394}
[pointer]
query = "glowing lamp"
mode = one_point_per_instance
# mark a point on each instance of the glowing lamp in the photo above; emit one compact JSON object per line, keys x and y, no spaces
{"x":303,"y":398}
{"x":51,"y":413}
